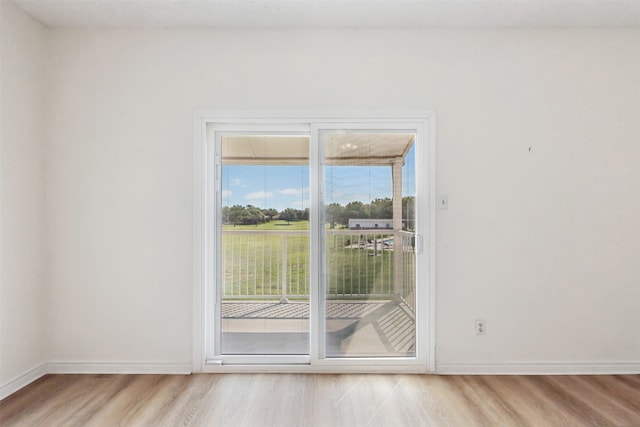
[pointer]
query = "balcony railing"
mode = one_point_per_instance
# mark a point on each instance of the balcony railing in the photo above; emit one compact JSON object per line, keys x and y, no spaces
{"x":359,"y":264}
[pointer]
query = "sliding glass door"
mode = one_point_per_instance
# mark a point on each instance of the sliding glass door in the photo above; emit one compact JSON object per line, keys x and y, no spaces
{"x":263,"y":212}
{"x":369,"y":243}
{"x":316,"y":239}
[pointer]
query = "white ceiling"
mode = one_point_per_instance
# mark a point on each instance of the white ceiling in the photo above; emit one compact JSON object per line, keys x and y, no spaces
{"x":336,"y":14}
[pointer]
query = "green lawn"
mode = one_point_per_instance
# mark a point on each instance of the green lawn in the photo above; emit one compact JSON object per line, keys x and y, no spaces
{"x":253,"y":264}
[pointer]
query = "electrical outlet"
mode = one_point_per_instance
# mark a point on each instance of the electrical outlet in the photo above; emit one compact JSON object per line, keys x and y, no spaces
{"x":481,"y":327}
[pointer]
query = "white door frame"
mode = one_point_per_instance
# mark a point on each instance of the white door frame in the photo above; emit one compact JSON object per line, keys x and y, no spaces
{"x":204,"y":241}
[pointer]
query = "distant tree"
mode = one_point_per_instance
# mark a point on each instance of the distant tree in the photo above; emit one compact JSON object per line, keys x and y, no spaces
{"x":334,"y":213}
{"x":354,"y":210}
{"x":289,"y":215}
{"x":301,"y":214}
{"x":237,"y":215}
{"x":381,"y":208}
{"x":254,"y":215}
{"x":269,"y":213}
{"x":225,"y":215}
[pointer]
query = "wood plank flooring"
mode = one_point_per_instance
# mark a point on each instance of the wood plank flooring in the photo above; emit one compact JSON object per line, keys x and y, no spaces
{"x":324,"y":400}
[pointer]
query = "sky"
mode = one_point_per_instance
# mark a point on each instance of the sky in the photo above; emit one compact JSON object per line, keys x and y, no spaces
{"x":281,"y":187}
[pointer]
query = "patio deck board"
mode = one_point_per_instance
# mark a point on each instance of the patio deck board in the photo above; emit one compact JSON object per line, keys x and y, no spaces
{"x":296,"y":310}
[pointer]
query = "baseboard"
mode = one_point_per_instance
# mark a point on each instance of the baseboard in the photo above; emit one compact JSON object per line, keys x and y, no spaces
{"x":542,"y":368}
{"x":100,"y":367}
{"x":22,"y":380}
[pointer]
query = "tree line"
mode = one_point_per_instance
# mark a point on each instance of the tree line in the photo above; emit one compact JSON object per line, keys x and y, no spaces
{"x":335,"y":214}
{"x":382,"y":208}
{"x":252,"y":215}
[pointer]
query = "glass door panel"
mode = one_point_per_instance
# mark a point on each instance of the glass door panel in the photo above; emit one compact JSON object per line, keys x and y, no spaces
{"x":369,"y":243}
{"x":264,"y":244}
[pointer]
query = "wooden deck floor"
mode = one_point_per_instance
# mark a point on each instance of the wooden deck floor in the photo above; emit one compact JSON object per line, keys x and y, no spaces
{"x":354,"y":328}
{"x":283,"y":400}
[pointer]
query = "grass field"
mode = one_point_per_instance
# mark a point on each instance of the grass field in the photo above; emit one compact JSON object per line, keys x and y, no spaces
{"x":253,"y":263}
{"x":270,"y":226}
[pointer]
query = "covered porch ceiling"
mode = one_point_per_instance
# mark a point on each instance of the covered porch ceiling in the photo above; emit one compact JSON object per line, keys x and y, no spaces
{"x":353,"y":149}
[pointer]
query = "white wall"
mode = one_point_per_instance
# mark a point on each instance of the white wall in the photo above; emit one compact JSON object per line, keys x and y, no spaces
{"x":22,"y":140}
{"x":543,"y":244}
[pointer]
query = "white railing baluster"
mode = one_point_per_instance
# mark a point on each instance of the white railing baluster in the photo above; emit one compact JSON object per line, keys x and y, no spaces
{"x":284,"y":269}
{"x":263,"y":290}
{"x":366,"y":266}
{"x":350,"y":240}
{"x":247,"y":273}
{"x":271,"y":265}
{"x":359,"y":264}
{"x":231,"y":278}
{"x":224,"y":266}
{"x":306,"y":270}
{"x":349,"y":259}
{"x":390,"y":278}
{"x":286,"y":262}
{"x":375,"y":261}
{"x":239,"y":265}
{"x":255,"y":265}
{"x":383,"y":279}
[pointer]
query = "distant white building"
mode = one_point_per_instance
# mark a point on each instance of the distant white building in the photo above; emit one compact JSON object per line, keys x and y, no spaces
{"x":370,"y":224}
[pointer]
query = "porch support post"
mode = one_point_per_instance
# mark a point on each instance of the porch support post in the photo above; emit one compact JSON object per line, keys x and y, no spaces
{"x":397,"y":226}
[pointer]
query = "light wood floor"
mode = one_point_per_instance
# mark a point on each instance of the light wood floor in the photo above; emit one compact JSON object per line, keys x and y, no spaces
{"x":324,"y":400}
